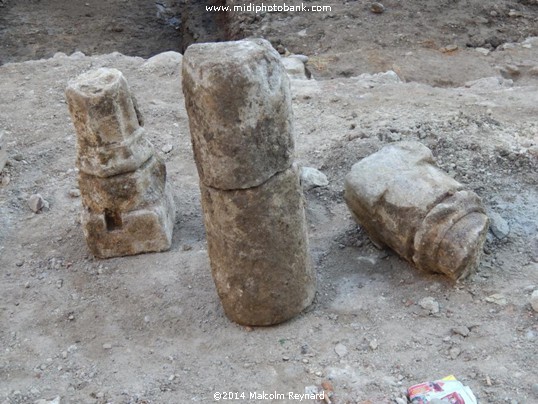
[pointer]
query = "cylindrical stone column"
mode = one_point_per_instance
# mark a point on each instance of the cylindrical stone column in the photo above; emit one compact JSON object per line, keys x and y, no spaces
{"x":239,"y":105}
{"x":405,"y":202}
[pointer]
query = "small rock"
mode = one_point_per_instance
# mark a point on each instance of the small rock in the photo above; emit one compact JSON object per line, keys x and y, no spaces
{"x":498,"y":299}
{"x":454,"y":352}
{"x":3,"y":153}
{"x":74,"y":193}
{"x":302,"y":58}
{"x":449,"y":48}
{"x":312,"y":178}
{"x":43,"y":401}
{"x":167,"y":148}
{"x":19,"y":263}
{"x":400,"y":400}
{"x":430,"y":304}
{"x":534,"y":300}
{"x":483,"y":51}
{"x":107,"y":346}
{"x":341,"y":350}
{"x":59,"y":283}
{"x":373,"y":345}
{"x":461,"y":330}
{"x":165,"y":63}
{"x":499,"y":227}
{"x":535,"y":389}
{"x":37,"y":203}
{"x":514,"y":13}
{"x":377,"y":8}
{"x":295,"y":68}
{"x":281,"y":49}
{"x":285,"y":358}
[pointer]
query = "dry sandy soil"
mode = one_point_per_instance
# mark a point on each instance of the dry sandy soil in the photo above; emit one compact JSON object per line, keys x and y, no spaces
{"x":150,"y":328}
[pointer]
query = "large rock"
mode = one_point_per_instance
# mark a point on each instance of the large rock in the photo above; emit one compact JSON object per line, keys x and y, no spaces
{"x":127,"y":207}
{"x":238,"y":99}
{"x":404,"y":201}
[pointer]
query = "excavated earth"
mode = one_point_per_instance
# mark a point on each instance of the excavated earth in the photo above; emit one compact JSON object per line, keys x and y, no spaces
{"x":150,"y":328}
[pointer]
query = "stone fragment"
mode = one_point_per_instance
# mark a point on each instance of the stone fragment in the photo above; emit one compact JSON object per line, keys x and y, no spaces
{"x":497,"y":298}
{"x":534,"y":300}
{"x":449,"y":48}
{"x":405,"y":202}
{"x":340,"y":350}
{"x":302,"y":58}
{"x":238,"y":100}
{"x":3,"y":152}
{"x":127,"y":206}
{"x":239,"y":103}
{"x":461,"y":330}
{"x":499,"y":227}
{"x":164,"y":63}
{"x":295,"y":68}
{"x":377,"y":8}
{"x":36,"y":203}
{"x":45,"y":401}
{"x":430,"y":304}
{"x":312,"y":178}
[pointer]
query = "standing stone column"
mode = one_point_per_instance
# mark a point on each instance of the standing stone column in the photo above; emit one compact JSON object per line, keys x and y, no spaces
{"x":239,"y":105}
{"x":127,"y":207}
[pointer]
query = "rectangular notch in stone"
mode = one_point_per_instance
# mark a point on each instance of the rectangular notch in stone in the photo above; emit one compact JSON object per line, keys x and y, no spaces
{"x":113,"y":220}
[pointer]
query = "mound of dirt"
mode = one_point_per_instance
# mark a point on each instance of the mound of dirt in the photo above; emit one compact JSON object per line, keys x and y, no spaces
{"x":150,"y":328}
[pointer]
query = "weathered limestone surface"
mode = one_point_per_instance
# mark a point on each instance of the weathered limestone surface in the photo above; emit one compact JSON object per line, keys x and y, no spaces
{"x":239,"y":103}
{"x":3,"y":152}
{"x":238,"y":100}
{"x":127,"y":207}
{"x":404,"y":201}
{"x":257,"y":244}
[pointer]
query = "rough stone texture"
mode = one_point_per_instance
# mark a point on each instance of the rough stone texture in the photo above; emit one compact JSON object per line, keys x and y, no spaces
{"x":295,"y":68}
{"x":238,"y":99}
{"x":127,"y":207}
{"x":164,"y":63}
{"x":405,"y":202}
{"x":534,"y":300}
{"x":312,"y":178}
{"x":110,"y":136}
{"x":499,"y":227}
{"x":3,"y":152}
{"x":36,"y":203}
{"x":257,"y":243}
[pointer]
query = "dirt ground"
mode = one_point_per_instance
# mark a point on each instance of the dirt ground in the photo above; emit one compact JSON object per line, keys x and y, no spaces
{"x":150,"y":328}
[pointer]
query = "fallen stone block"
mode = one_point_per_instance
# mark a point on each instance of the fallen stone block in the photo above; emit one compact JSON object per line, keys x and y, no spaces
{"x":405,"y":202}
